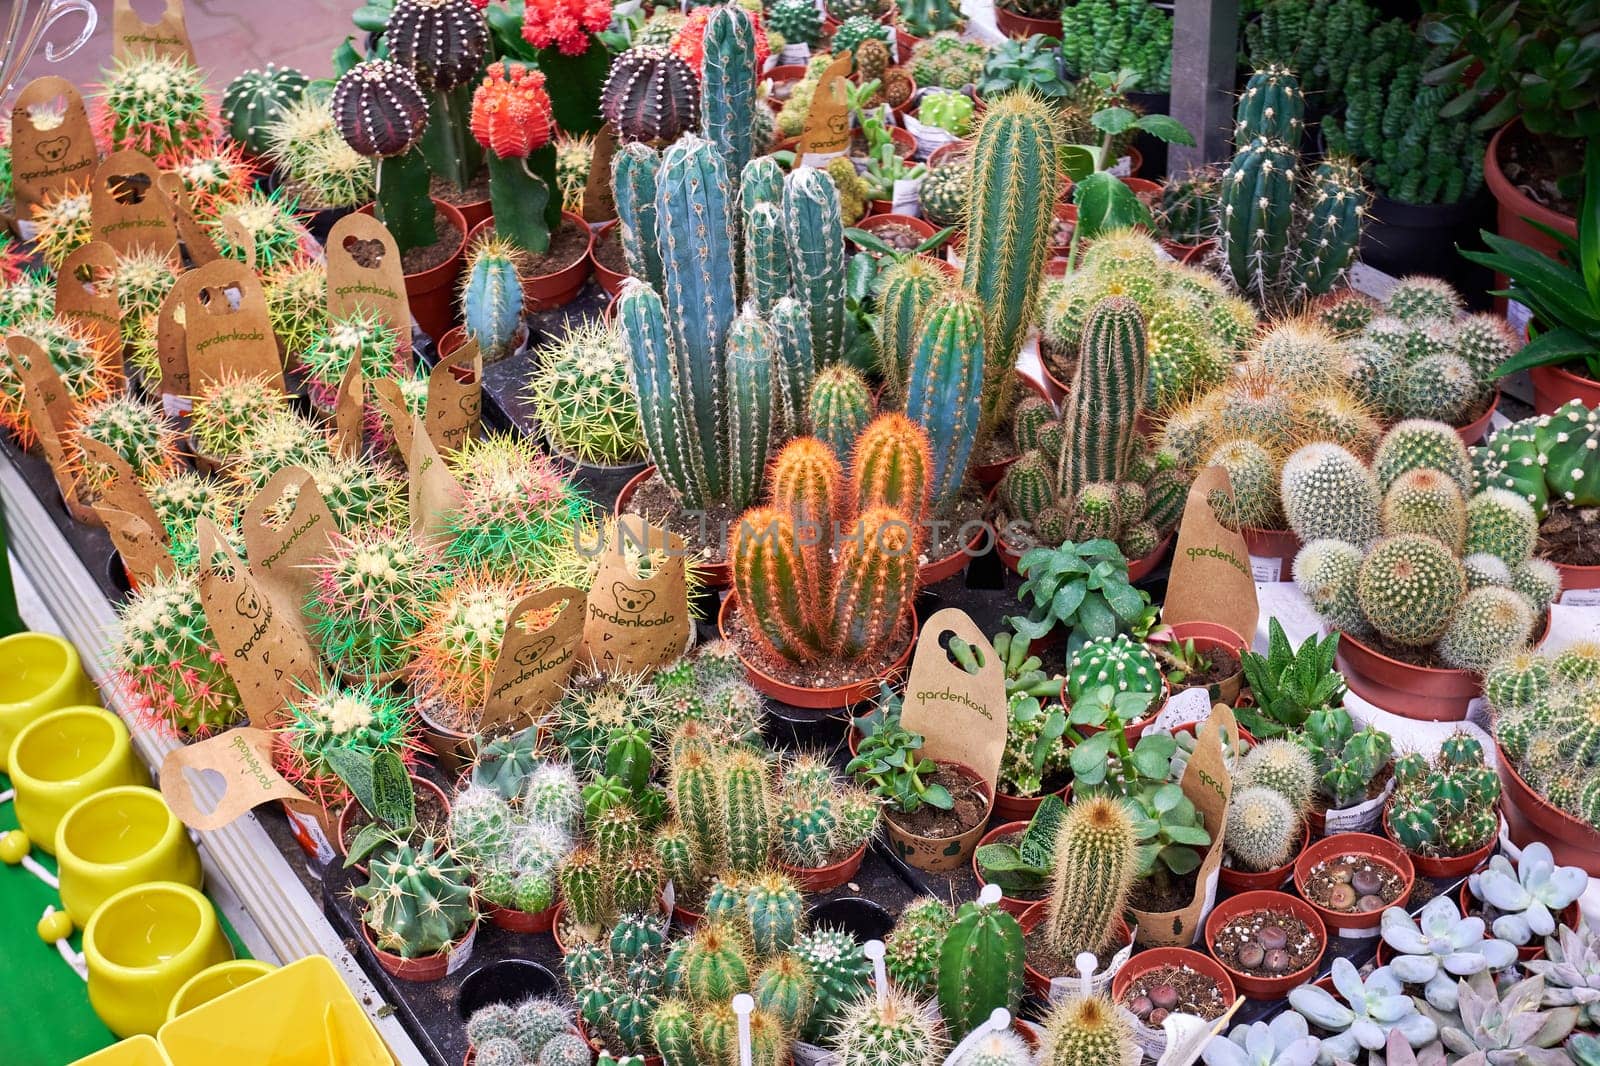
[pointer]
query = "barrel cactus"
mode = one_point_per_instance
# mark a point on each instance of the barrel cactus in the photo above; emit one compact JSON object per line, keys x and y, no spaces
{"x":257,"y":98}
{"x":373,"y":593}
{"x":515,"y":509}
{"x":418,"y":900}
{"x":167,"y":657}
{"x":153,"y":103}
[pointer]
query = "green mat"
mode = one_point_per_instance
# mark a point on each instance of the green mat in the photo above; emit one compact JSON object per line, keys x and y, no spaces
{"x":47,"y":1002}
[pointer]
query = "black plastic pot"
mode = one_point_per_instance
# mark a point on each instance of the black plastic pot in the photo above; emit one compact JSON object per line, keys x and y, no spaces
{"x":1401,"y":239}
{"x":1152,"y":149}
{"x":320,"y":222}
{"x":861,"y":918}
{"x":506,"y":981}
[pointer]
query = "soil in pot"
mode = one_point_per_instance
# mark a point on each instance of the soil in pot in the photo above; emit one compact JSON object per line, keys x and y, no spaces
{"x":1163,"y":891}
{"x":1570,"y":535}
{"x":1221,"y":664}
{"x":1042,"y":958}
{"x":475,"y":193}
{"x":900,"y":236}
{"x":707,"y":530}
{"x":1354,"y":884}
{"x":433,"y":818}
{"x":568,"y":244}
{"x":418,"y":260}
{"x":951,"y":533}
{"x":971,"y":807}
{"x":1267,"y":943}
{"x":1154,"y":995}
{"x":1535,"y":164}
{"x":998,"y":447}
{"x":832,"y":673}
{"x":1426,"y":657}
{"x":608,"y":252}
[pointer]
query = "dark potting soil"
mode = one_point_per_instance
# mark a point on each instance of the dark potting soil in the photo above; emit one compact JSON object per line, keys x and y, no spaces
{"x":706,"y":531}
{"x":953,"y":532}
{"x":433,"y":819}
{"x":417,"y":260}
{"x":1047,"y":962}
{"x":1060,"y":364}
{"x":447,"y":190}
{"x":1162,"y":894}
{"x":1252,"y":943}
{"x":970,"y":807}
{"x":1220,"y":663}
{"x":1354,"y":884}
{"x":1534,"y":164}
{"x":825,"y":674}
{"x":1425,"y":656}
{"x":999,"y":446}
{"x":1154,"y":995}
{"x":900,"y":236}
{"x":608,"y":252}
{"x":568,"y":244}
{"x":1571,"y":535}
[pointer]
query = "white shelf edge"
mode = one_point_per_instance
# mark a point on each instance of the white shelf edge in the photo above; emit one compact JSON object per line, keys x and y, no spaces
{"x":245,"y":873}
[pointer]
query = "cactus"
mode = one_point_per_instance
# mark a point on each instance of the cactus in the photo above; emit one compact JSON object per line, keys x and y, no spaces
{"x":775,"y":914}
{"x":1115,"y":661}
{"x":944,"y":390}
{"x":839,"y":973}
{"x":980,"y":965}
{"x":782,"y":990}
{"x":728,"y":97}
{"x":321,"y":168}
{"x":582,"y":397}
{"x":227,"y":410}
{"x":1092,"y":875}
{"x":1445,"y":806}
{"x":297,"y":303}
{"x":1426,"y":501}
{"x":712,"y":966}
{"x":1329,"y":493}
{"x":1501,"y":524}
{"x":167,"y":657}
{"x":135,"y":431}
{"x":1272,"y":106}
{"x":80,"y":357}
{"x":371,"y":597}
{"x":442,"y":41}
{"x":891,"y":1029}
{"x":257,"y":98}
{"x":363,"y":719}
{"x":275,"y":233}
{"x":1088,"y":1031}
{"x":944,"y":193}
{"x":924,"y":18}
{"x":61,"y":224}
{"x":1409,"y":588}
{"x":1008,"y":234}
{"x":1417,"y":444}
{"x":26,"y":296}
{"x":912,"y":949}
{"x":855,"y":31}
{"x":1253,"y":502}
{"x":141,"y":280}
{"x":811,"y":220}
{"x":454,"y":655}
{"x":516,"y":507}
{"x":491,"y":298}
{"x":154,"y":104}
{"x":747,"y":812}
{"x":908,"y":289}
{"x":418,"y":900}
{"x":1263,"y":829}
{"x":840,"y":407}
{"x":481,"y":823}
{"x":1187,"y":212}
{"x":1281,"y":766}
{"x":1489,"y":623}
{"x":797,"y":20}
{"x":280,"y":439}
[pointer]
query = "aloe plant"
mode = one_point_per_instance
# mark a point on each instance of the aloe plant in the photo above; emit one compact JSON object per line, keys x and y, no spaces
{"x":1289,"y":683}
{"x":1026,"y":865}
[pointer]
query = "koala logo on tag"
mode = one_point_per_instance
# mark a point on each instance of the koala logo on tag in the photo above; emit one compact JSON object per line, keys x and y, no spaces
{"x":248,"y":605}
{"x":533,"y":653}
{"x":53,"y":150}
{"x":631,"y":600}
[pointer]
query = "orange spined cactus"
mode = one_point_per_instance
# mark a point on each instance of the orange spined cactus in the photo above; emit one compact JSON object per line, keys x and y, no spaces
{"x":891,"y":467}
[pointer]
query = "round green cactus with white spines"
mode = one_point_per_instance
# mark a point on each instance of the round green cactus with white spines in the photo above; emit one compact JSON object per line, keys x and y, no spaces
{"x":1089,"y":1031}
{"x":840,"y":974}
{"x":1252,"y":476}
{"x":1418,"y":296}
{"x":80,"y":357}
{"x":141,"y":279}
{"x":1417,"y":444}
{"x":257,"y":98}
{"x":418,"y":899}
{"x":154,"y":103}
{"x":1409,"y":588}
{"x":28,"y":295}
{"x":1328,"y":572}
{"x":481,"y":824}
{"x":583,"y":399}
{"x":181,"y":500}
{"x":61,"y":224}
{"x":911,"y":950}
{"x":228,"y":409}
{"x":889,"y":1030}
{"x":1502,"y":524}
{"x":280,"y":439}
{"x":1440,"y":386}
{"x":1426,"y":501}
{"x":361,"y":718}
{"x":1263,"y":829}
{"x":276,"y":235}
{"x":1489,"y":622}
{"x":297,"y":304}
{"x":454,"y":655}
{"x":372,"y":595}
{"x":168,"y":658}
{"x":136,"y":431}
{"x":361,"y":336}
{"x":1539,"y":582}
{"x":1282,"y":766}
{"x":1115,"y":661}
{"x":1484,"y":341}
{"x":1484,"y":569}
{"x":1329,"y":493}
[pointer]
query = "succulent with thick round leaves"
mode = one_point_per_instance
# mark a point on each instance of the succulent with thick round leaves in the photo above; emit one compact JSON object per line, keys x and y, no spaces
{"x":1409,"y":588}
{"x":1370,"y":1009}
{"x":1329,"y":493}
{"x":1285,"y":1041}
{"x":1571,"y":972}
{"x":1439,"y":946}
{"x":1529,"y":897}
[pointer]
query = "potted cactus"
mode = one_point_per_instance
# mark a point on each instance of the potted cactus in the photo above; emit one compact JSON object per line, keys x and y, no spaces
{"x":359,"y":718}
{"x":1556,"y":484}
{"x":1267,"y":824}
{"x":135,"y":431}
{"x":517,"y":1033}
{"x":827,"y":620}
{"x":1350,"y":879}
{"x":1352,"y":771}
{"x":823,"y":826}
{"x":1425,"y":604}
{"x":516,"y":843}
{"x":388,"y":806}
{"x":82,"y":358}
{"x":491,"y":302}
{"x":167,"y":657}
{"x":1028,"y":18}
{"x":256,"y":99}
{"x":516,"y":511}
{"x":1444,"y":811}
{"x":225,"y":412}
{"x":584,"y":403}
{"x":153,"y":103}
{"x":327,"y":178}
{"x":362,"y":337}
{"x":419,"y":918}
{"x":372,"y":594}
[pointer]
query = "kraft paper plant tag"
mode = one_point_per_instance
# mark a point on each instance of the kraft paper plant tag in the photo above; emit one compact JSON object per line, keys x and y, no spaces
{"x":243,"y":758}
{"x":84,"y":293}
{"x":281,"y":553}
{"x":455,"y":398}
{"x":143,"y":549}
{"x":128,"y":209}
{"x":533,"y":666}
{"x":961,"y":716}
{"x":121,"y":488}
{"x":598,"y":203}
{"x":219,"y":336}
{"x":393,"y":406}
{"x":435,"y":492}
{"x":634,"y":623}
{"x":52,"y":144}
{"x":132,"y":35}
{"x":268,"y":658}
{"x":49,"y":407}
{"x":1208,"y":785}
{"x":1211,"y":578}
{"x":172,"y":347}
{"x":242,"y":239}
{"x":196,"y":241}
{"x":827,"y":128}
{"x":364,"y":270}
{"x":348,"y":411}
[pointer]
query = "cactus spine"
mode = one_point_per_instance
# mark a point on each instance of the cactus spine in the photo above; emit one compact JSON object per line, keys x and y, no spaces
{"x":728,"y":91}
{"x":944,"y":393}
{"x":980,"y":965}
{"x":747,"y":812}
{"x":1089,"y":1031}
{"x":491,"y":300}
{"x":816,"y":243}
{"x":909,"y":287}
{"x":633,"y":186}
{"x":1095,"y":859}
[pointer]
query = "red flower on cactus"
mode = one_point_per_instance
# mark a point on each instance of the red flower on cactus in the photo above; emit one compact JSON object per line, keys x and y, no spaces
{"x":511,"y":114}
{"x":689,"y":43}
{"x":564,"y":23}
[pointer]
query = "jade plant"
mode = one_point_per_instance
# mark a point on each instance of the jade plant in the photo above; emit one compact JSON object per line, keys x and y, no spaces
{"x":1364,"y":1013}
{"x":1080,"y":588}
{"x":167,"y":657}
{"x":1034,"y":64}
{"x":153,"y":102}
{"x":1446,"y":806}
{"x":1025,"y":866}
{"x":583,"y":399}
{"x":418,"y":900}
{"x":1289,"y":683}
{"x":1440,"y":946}
{"x":1527,"y":899}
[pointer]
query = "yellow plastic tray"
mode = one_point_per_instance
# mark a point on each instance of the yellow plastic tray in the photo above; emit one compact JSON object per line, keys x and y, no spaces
{"x":141,"y":1050}
{"x":299,"y":1015}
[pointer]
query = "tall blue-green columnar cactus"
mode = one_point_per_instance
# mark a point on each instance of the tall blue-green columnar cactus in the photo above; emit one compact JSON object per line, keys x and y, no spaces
{"x":727,"y":85}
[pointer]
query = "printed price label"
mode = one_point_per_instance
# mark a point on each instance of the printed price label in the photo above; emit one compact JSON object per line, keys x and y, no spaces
{"x":907,"y":197}
{"x":1266,"y":571}
{"x":1581,"y":598}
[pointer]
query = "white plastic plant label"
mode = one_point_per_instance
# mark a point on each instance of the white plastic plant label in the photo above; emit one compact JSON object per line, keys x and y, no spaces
{"x":1362,"y":818}
{"x":818,"y":159}
{"x":461,"y":952}
{"x":1151,"y":1041}
{"x":1571,"y":623}
{"x":907,"y":197}
{"x":1581,"y":598}
{"x":894,"y":45}
{"x":1266,"y":570}
{"x":811,"y":1055}
{"x":1122,"y":168}
{"x":1187,"y":1036}
{"x":1371,"y":281}
{"x":795,"y":55}
{"x":930,"y":138}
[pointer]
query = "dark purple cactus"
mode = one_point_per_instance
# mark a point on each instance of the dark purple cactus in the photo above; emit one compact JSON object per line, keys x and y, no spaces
{"x":443,"y":41}
{"x":651,"y":95}
{"x":379,"y":108}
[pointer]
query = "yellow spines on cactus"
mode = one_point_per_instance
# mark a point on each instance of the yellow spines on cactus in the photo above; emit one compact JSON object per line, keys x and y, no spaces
{"x":891,"y":467}
{"x":1089,"y":1031}
{"x":1094,"y":865}
{"x":454,"y":656}
{"x":771,"y":574}
{"x":876,"y":577}
{"x":806,"y":480}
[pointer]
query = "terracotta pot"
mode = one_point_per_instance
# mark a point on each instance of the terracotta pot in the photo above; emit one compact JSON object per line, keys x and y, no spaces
{"x":825,"y":878}
{"x":425,"y":967}
{"x":1188,"y":253}
{"x":1448,"y":867}
{"x":938,"y":854}
{"x":1273,"y":545}
{"x":476,"y":213}
{"x":1553,"y":386}
{"x":545,"y":292}
{"x":786,"y":72}
{"x":945,"y":153}
{"x":1247,"y":740}
{"x":1021,"y":808}
{"x":561,"y":908}
{"x":1210,"y":636}
{"x":432,"y":293}
{"x":1517,"y":212}
{"x":342,"y":827}
{"x":822,"y":699}
{"x":609,"y":279}
{"x":921,"y":227}
{"x":1421,"y":693}
{"x":1249,"y":903}
{"x":715,"y":575}
{"x":1067,"y":213}
{"x":1478,"y":428}
{"x":1529,"y":817}
{"x":1386,"y":852}
{"x":1152,"y":959}
{"x":597,"y":1046}
{"x":1038,"y":982}
{"x":1142,"y":187}
{"x":1578,"y":577}
{"x":1267,"y":880}
{"x":1570,"y":915}
{"x":516,"y":921}
{"x":1009,"y":904}
{"x":1019,"y":26}
{"x":937,"y":570}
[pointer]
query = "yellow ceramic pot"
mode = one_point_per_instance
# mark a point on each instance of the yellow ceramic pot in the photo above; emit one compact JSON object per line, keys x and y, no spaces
{"x":215,"y":981}
{"x":64,"y":757}
{"x":116,"y":839}
{"x":39,"y":673}
{"x":142,"y":945}
{"x":135,"y":1051}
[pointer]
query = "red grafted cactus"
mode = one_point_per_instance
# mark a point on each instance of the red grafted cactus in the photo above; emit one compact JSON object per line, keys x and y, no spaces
{"x":564,"y":23}
{"x":511,"y":114}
